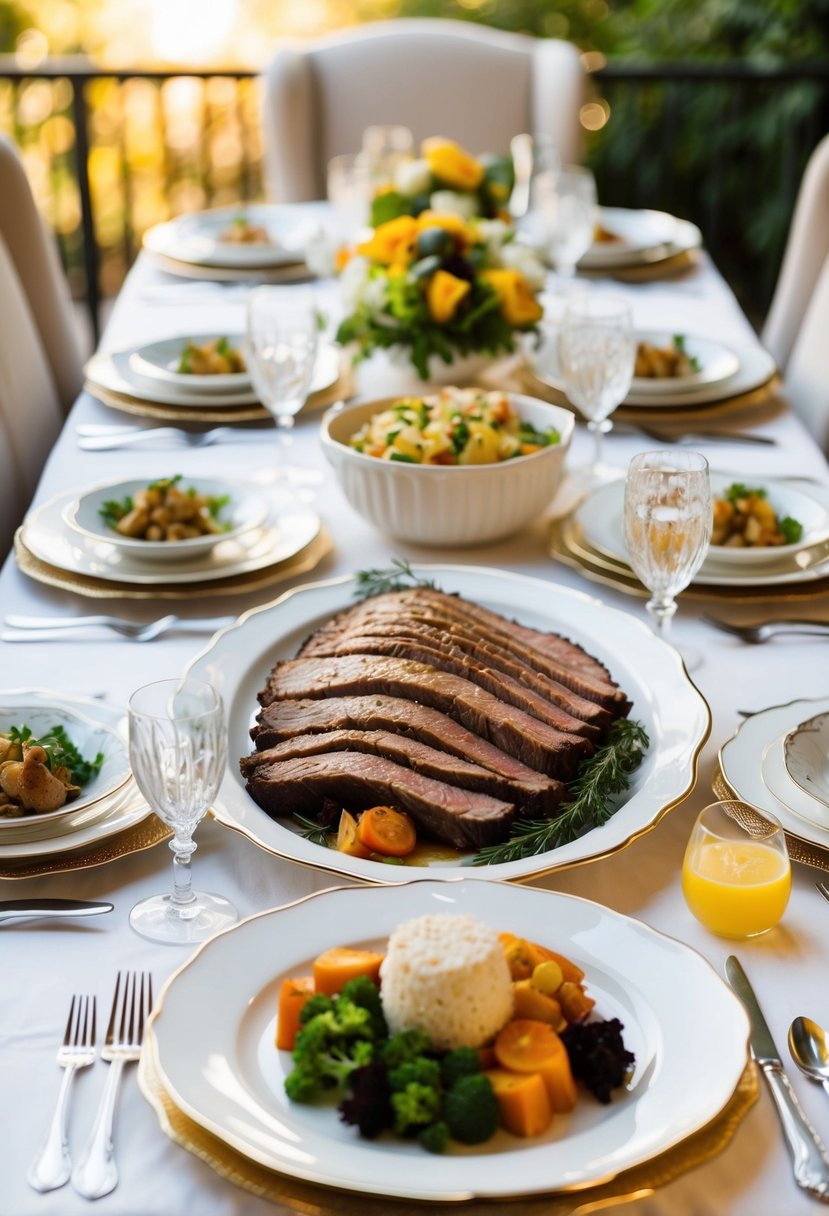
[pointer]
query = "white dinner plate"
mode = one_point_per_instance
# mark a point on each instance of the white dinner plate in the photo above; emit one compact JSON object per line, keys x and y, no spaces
{"x":785,"y":789}
{"x":741,"y":761}
{"x":91,"y":736}
{"x":806,"y":756}
{"x":239,"y":659}
{"x":601,"y":518}
{"x":288,"y":528}
{"x":756,"y":369}
{"x":196,"y":238}
{"x":159,"y":361}
{"x":244,"y":511}
{"x":216,"y":1059}
{"x":114,"y":373}
{"x":645,"y":236}
{"x":717,"y":363}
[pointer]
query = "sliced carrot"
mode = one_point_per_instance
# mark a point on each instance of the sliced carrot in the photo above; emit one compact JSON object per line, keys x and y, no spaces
{"x":525,"y":1045}
{"x":531,"y":1003}
{"x":523,"y":1101}
{"x":347,"y":839}
{"x":382,"y":829}
{"x":574,"y":1001}
{"x":334,"y":968}
{"x":293,"y":994}
{"x":516,"y":951}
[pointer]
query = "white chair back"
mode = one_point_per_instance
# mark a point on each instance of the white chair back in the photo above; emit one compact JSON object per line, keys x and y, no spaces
{"x":807,"y":370}
{"x":470,"y":83}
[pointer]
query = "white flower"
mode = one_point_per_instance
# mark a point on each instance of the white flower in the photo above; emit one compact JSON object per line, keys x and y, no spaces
{"x":412,"y":177}
{"x":320,"y":254}
{"x":352,"y":283}
{"x":375,"y":293}
{"x":494,"y":232}
{"x":519,"y":257}
{"x":448,"y":202}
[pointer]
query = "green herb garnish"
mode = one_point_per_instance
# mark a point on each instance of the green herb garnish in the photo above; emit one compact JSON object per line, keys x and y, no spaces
{"x":792,"y":529}
{"x":312,"y":831}
{"x":397,"y":577}
{"x":737,"y":490}
{"x":60,"y":752}
{"x":600,"y":777}
{"x":679,"y":347}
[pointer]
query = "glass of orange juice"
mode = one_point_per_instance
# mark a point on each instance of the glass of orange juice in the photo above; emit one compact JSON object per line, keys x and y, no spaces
{"x":736,"y":876}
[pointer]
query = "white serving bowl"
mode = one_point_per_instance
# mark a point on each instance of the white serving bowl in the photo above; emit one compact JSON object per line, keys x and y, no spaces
{"x":447,"y":505}
{"x":245,"y":510}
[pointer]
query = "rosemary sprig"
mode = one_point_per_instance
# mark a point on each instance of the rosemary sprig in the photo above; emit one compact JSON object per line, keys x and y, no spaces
{"x":397,"y":577}
{"x":602,"y":775}
{"x":311,"y":831}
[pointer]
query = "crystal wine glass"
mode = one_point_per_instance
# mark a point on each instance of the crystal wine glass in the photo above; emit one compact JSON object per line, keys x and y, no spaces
{"x":596,"y":356}
{"x":282,"y":336}
{"x":384,"y":148}
{"x":667,"y":522}
{"x":566,"y":199}
{"x":178,"y":750}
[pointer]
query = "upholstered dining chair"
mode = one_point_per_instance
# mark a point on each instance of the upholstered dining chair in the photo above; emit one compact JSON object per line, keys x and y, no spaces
{"x":470,"y":83}
{"x":40,"y":363}
{"x":798,"y":322}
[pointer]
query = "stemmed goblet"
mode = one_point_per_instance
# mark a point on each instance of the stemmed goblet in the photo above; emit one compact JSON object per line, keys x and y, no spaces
{"x":178,"y":750}
{"x":282,"y":337}
{"x":667,"y":523}
{"x":566,"y":200}
{"x":596,"y":356}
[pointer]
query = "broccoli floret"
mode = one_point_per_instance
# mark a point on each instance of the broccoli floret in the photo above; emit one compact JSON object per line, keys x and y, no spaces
{"x":405,"y":1046}
{"x":463,"y":1062}
{"x":352,"y":1020}
{"x":365,"y":994}
{"x":434,"y":1137}
{"x":319,"y":1003}
{"x":422,"y":1071}
{"x":368,"y":1106}
{"x":303,"y":1084}
{"x":470,"y":1109}
{"x":414,"y":1107}
{"x":328,"y":1048}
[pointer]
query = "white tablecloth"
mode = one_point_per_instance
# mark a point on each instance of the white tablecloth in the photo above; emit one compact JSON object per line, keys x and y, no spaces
{"x":41,"y":965}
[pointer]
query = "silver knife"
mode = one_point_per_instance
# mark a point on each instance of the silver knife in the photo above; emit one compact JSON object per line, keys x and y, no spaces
{"x":31,"y":909}
{"x":809,"y":1157}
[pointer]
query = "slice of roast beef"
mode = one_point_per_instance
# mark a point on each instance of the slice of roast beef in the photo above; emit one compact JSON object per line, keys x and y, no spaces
{"x":457,"y":643}
{"x":533,"y":742}
{"x":459,"y":664}
{"x":286,"y":719}
{"x":415,"y":755}
{"x":358,"y":781}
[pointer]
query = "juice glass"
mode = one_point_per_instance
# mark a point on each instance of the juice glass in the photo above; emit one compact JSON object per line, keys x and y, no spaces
{"x":736,"y":876}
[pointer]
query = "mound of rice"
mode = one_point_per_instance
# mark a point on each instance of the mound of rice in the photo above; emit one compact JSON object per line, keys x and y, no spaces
{"x":447,"y":976}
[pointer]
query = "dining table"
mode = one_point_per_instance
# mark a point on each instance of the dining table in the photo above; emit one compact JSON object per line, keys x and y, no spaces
{"x":42,"y":963}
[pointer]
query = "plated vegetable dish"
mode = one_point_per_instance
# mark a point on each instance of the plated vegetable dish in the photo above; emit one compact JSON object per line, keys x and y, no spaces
{"x":241,"y":231}
{"x":453,"y":1032}
{"x":213,"y":358}
{"x":165,"y":512}
{"x":452,"y":427}
{"x":41,"y":775}
{"x":664,"y":362}
{"x":745,"y":519}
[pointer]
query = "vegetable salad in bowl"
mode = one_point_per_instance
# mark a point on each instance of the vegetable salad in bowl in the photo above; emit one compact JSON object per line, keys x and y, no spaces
{"x":452,"y":427}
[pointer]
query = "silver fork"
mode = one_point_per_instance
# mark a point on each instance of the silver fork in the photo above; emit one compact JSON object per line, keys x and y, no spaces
{"x":96,"y":1173}
{"x":681,"y":437}
{"x":203,"y":439}
{"x":53,"y":627}
{"x":762,"y":633}
{"x":52,"y":1167}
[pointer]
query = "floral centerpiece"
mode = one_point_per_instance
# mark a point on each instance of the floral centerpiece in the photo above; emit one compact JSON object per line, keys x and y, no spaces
{"x":446,"y":178}
{"x":439,"y":285}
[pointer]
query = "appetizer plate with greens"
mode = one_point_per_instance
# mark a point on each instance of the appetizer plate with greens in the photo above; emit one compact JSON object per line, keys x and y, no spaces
{"x":254,"y":235}
{"x":216,"y":1059}
{"x":627,"y":790}
{"x":637,"y":237}
{"x":84,"y":754}
{"x":167,"y":520}
{"x":204,"y":362}
{"x":763,"y":520}
{"x":677,"y":362}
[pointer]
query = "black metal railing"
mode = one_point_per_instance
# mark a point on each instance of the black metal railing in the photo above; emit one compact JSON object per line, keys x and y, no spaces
{"x":112,"y":152}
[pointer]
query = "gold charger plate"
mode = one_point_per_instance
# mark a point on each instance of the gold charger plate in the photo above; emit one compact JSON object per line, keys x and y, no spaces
{"x":302,"y":1198}
{"x":240,"y":584}
{"x":144,"y":835}
{"x":290,"y":272}
{"x":669,"y":267}
{"x":566,"y":542}
{"x":801,"y":850}
{"x":342,"y":388}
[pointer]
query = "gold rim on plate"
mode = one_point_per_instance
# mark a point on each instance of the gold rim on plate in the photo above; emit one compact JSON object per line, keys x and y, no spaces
{"x":98,"y":588}
{"x":804,"y":851}
{"x":302,"y":1197}
{"x":144,"y":835}
{"x":671,"y":266}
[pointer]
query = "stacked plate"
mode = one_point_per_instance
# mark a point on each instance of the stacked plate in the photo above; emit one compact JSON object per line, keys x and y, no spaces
{"x":777,"y":761}
{"x":591,"y":538}
{"x":259,"y":241}
{"x":108,"y":805}
{"x":147,"y":380}
{"x":267,"y":534}
{"x":723,"y":378}
{"x":632,"y":240}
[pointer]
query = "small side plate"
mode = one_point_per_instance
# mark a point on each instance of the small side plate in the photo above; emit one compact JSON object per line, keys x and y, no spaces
{"x":159,"y":362}
{"x":806,"y":749}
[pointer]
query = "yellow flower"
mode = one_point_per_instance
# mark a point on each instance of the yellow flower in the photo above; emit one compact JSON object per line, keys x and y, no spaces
{"x":391,"y":242}
{"x":444,"y":294}
{"x":453,"y":224}
{"x":452,"y":165}
{"x":519,"y":306}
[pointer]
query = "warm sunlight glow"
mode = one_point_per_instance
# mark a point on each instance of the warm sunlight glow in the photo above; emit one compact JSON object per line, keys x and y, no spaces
{"x":186,"y":33}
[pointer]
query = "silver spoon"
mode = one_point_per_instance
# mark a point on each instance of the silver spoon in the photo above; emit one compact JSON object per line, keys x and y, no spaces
{"x":809,"y":1046}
